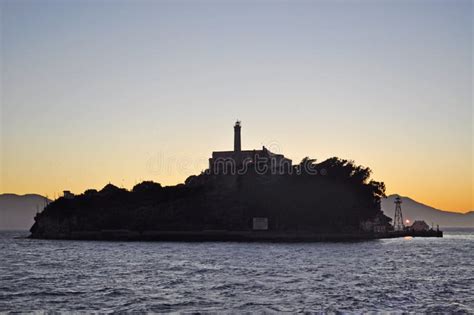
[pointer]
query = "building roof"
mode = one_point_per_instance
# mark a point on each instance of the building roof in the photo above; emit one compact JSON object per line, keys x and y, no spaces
{"x":246,"y":153}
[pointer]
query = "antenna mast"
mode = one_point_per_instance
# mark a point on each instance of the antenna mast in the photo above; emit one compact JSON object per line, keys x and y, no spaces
{"x":398,"y":220}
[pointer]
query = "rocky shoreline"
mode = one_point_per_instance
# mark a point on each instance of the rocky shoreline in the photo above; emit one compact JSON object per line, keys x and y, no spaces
{"x":230,"y":236}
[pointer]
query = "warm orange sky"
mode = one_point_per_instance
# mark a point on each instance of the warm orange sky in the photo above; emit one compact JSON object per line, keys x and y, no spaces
{"x":82,"y":164}
{"x":95,"y":92}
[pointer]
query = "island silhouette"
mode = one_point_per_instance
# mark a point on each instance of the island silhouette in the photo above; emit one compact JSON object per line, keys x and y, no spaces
{"x":244,"y":195}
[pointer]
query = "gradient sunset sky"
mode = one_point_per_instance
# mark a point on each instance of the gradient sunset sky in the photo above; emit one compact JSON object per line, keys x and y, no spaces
{"x":94,"y":92}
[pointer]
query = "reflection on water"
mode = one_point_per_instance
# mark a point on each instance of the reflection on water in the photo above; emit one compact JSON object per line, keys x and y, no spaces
{"x":422,"y":275}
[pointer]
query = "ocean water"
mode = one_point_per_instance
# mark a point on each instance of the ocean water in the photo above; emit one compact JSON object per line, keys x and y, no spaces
{"x":399,"y":275}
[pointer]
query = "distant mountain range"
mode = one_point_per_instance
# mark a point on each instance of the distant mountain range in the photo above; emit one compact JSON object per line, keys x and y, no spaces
{"x":18,"y":212}
{"x":413,"y":210}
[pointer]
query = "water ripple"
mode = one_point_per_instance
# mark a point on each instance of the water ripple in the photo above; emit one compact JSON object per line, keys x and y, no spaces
{"x":397,"y":275}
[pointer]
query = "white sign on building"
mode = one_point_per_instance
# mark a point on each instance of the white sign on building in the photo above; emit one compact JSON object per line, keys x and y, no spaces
{"x":260,"y":224}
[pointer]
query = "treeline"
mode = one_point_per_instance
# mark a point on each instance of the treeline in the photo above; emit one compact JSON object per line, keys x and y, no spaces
{"x":332,"y":196}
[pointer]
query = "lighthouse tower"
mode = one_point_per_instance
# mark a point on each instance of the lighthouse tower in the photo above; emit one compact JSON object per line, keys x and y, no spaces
{"x":237,"y":146}
{"x":229,"y":162}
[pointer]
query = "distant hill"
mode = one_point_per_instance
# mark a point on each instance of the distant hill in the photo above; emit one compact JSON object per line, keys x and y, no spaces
{"x":18,"y":212}
{"x":414,"y":210}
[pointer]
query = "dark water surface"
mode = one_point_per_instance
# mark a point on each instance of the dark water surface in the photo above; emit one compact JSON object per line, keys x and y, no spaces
{"x":419,"y":274}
